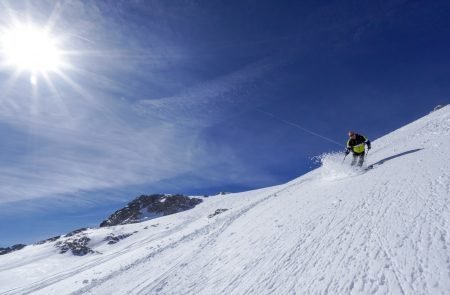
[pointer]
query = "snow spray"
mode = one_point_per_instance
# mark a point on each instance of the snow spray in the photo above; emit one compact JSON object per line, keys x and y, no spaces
{"x":332,"y":167}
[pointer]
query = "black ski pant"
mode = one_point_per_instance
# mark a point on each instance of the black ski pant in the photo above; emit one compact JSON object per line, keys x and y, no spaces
{"x":358,"y":158}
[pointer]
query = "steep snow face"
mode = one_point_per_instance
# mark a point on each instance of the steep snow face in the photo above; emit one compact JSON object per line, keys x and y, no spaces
{"x":334,"y":230}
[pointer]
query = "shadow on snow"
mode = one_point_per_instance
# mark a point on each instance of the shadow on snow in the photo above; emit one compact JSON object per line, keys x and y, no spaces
{"x":395,"y":156}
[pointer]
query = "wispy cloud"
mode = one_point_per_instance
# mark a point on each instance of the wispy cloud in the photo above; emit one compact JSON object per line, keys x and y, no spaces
{"x":84,"y":131}
{"x":90,"y":153}
{"x":84,"y":143}
{"x":207,"y":103}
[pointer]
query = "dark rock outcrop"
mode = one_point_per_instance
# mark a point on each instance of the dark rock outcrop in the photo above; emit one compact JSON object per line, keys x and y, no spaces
{"x":78,"y":246}
{"x":13,"y":248}
{"x":112,"y":239}
{"x":74,"y":232}
{"x":217,"y":212}
{"x":146,"y":207}
{"x":47,"y":240}
{"x":438,"y":107}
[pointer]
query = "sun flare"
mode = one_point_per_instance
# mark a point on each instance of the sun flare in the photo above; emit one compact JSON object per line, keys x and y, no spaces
{"x":29,"y":48}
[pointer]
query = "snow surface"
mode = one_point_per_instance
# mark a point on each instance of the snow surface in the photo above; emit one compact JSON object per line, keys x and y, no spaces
{"x":334,"y":230}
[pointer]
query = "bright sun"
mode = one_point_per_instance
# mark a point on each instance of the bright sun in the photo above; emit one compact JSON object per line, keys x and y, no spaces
{"x":28,"y":48}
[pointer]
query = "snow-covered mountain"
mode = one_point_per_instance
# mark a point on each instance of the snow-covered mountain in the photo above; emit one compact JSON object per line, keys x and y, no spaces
{"x":335,"y":230}
{"x":149,"y":207}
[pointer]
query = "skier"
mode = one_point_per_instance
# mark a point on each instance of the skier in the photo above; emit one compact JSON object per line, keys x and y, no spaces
{"x":356,"y":144}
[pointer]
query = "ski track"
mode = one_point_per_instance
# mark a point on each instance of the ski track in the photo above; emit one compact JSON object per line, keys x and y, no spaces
{"x":388,"y":236}
{"x":67,"y":274}
{"x":210,"y":233}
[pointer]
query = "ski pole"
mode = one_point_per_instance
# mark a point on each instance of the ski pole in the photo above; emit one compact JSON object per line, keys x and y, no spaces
{"x":344,"y":158}
{"x":367,"y":154}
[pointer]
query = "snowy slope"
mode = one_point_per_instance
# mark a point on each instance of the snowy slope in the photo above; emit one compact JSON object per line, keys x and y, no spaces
{"x":331,"y":231}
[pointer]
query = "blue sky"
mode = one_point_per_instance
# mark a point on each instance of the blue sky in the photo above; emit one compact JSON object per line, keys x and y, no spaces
{"x":175,"y":97}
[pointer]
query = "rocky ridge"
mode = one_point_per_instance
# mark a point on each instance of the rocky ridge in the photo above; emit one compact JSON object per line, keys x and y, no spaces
{"x":147,"y":207}
{"x":143,"y":208}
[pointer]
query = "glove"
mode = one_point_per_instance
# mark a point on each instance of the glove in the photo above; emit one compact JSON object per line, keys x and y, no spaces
{"x":369,"y":146}
{"x":347,"y":152}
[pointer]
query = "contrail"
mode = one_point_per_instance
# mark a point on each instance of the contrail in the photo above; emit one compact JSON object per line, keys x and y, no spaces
{"x":299,"y":127}
{"x":82,"y":38}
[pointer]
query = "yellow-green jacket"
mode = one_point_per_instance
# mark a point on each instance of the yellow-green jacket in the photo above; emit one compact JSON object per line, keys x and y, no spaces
{"x":357,"y":145}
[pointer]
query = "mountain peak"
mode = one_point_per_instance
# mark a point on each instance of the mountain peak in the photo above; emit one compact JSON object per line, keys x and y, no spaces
{"x":146,"y":207}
